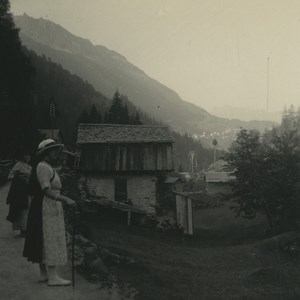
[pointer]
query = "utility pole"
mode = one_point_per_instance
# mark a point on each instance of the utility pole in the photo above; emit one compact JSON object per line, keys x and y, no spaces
{"x":215,"y":143}
{"x":238,"y":48}
{"x":191,"y":158}
{"x":268,"y":59}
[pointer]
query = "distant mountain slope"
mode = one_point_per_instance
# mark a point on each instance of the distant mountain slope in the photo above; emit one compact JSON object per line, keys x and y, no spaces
{"x":72,"y":95}
{"x":107,"y":70}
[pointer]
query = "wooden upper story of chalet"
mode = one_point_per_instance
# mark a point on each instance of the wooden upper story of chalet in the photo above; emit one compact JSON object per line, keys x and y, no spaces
{"x":114,"y":147}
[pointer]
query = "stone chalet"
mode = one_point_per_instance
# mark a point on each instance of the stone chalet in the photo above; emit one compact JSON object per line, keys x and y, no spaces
{"x":121,"y":164}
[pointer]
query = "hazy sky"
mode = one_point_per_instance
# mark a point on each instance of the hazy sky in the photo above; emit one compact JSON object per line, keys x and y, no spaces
{"x":212,"y":52}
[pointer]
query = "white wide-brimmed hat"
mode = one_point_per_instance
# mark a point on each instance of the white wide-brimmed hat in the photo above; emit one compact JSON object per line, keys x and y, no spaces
{"x":46,"y":145}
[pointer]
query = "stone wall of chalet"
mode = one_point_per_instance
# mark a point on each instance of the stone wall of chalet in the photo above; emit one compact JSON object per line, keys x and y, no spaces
{"x":141,"y":190}
{"x":100,"y":187}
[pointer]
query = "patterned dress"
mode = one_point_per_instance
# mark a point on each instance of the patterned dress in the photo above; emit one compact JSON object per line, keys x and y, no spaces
{"x":54,"y":236}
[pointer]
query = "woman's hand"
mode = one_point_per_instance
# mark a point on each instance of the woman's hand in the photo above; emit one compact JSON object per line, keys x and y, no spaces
{"x":69,"y":201}
{"x":58,"y":197}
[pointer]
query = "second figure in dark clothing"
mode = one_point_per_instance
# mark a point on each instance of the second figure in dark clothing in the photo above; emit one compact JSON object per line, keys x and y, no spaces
{"x":18,"y":198}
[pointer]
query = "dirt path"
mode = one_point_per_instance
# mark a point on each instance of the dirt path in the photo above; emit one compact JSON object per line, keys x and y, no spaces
{"x":18,"y":278}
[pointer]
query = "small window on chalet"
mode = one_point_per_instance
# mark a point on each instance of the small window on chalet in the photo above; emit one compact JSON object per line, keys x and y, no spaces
{"x":121,"y":189}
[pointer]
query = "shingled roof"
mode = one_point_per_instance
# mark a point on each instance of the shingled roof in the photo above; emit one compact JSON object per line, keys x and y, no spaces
{"x":121,"y":133}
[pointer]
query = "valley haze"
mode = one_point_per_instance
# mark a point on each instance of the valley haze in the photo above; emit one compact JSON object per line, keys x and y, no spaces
{"x":107,"y":70}
{"x":212,"y":53}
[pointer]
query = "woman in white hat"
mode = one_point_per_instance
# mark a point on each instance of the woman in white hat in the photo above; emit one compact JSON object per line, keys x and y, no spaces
{"x":45,"y":241}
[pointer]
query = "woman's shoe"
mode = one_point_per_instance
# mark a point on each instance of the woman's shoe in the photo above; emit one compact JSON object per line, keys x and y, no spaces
{"x":57,"y":281}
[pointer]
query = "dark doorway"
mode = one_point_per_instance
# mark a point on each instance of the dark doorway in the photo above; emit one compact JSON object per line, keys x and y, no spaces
{"x":121,"y":189}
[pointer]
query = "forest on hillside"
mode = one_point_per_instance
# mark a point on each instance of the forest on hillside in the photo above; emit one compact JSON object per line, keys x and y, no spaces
{"x":76,"y":100}
{"x":29,"y":83}
{"x":106,"y":70}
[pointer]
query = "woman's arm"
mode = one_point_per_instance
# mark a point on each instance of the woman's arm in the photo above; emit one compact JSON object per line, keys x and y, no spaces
{"x":55,"y":195}
{"x":13,"y":171}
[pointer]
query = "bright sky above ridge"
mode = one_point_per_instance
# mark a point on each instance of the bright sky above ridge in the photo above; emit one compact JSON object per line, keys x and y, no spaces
{"x":211,"y":52}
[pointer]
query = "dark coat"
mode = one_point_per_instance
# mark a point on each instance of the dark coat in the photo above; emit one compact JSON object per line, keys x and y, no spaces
{"x":33,"y":247}
{"x":17,"y":197}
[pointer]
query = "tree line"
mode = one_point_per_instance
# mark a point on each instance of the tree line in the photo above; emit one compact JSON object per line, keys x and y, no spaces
{"x":118,"y":113}
{"x":16,"y":86}
{"x":29,"y":81}
{"x":267,"y":170}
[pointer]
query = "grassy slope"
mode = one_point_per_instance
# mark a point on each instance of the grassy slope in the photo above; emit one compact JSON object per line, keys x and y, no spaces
{"x":222,"y":261}
{"x":226,"y":259}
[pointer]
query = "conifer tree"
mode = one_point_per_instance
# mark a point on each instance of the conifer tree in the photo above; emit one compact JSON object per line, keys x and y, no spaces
{"x":119,"y":113}
{"x":116,"y":112}
{"x":125,"y":115}
{"x":84,"y":117}
{"x":16,"y":72}
{"x":94,"y":115}
{"x":137,"y":119}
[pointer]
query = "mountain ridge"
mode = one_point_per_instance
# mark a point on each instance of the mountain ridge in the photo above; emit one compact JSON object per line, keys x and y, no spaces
{"x":108,"y":70}
{"x":73,"y":96}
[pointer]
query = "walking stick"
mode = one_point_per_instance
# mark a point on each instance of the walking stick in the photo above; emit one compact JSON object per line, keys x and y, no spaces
{"x":73,"y":247}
